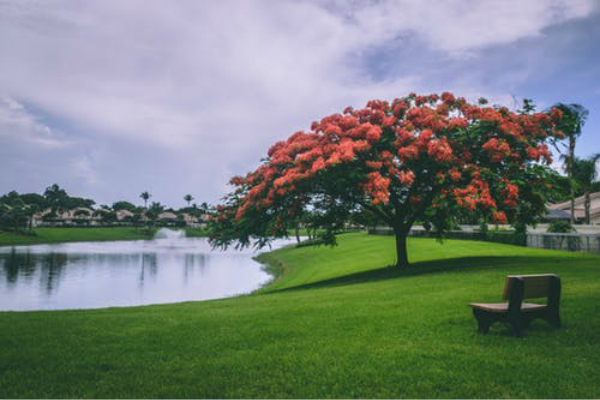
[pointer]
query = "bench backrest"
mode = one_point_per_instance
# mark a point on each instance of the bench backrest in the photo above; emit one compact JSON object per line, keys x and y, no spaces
{"x":534,"y":286}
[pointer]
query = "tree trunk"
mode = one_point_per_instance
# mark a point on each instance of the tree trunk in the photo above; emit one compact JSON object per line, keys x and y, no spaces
{"x":570,"y":166}
{"x":401,"y":251}
{"x":297,"y":231}
{"x":587,"y":208}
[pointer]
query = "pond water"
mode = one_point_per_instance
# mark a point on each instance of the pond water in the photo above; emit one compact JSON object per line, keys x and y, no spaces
{"x":106,"y":274}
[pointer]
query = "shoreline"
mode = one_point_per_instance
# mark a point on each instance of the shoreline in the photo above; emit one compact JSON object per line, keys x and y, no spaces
{"x":84,"y":234}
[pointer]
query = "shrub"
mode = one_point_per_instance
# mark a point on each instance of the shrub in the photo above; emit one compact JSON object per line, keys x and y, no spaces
{"x":560,"y":226}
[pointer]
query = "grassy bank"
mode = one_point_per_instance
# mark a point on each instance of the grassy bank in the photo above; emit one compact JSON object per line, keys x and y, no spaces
{"x":83,"y":234}
{"x":337,"y":323}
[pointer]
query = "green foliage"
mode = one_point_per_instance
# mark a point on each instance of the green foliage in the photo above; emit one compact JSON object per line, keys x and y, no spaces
{"x":124,"y":205}
{"x":560,"y":226}
{"x":585,"y":173}
{"x":14,"y":216}
{"x":311,"y":242}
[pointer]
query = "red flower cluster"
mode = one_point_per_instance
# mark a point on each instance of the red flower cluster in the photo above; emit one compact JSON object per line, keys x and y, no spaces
{"x":498,"y":149}
{"x":403,"y":144}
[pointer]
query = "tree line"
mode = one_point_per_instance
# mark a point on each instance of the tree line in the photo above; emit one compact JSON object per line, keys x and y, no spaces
{"x":19,"y":210}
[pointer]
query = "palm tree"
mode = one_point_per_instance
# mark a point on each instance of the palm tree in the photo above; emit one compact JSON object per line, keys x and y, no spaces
{"x":145,"y":196}
{"x":154,"y":211}
{"x":574,"y":117}
{"x":584,"y":175}
{"x":188,"y":199}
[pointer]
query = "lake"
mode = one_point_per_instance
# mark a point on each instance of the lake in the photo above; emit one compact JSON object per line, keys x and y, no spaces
{"x":124,"y":273}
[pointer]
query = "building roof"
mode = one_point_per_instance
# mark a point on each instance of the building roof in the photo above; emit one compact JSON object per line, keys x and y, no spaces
{"x":167,"y":215}
{"x":579,"y":202}
{"x":557,"y":214}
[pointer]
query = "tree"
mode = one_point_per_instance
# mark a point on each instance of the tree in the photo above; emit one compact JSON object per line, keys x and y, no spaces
{"x":418,"y":158}
{"x":188,"y":199}
{"x":573,"y":119}
{"x":145,"y":196}
{"x":82,"y":215}
{"x":205,"y":208}
{"x":57,"y":199}
{"x":124,"y":205}
{"x":30,"y":211}
{"x":584,"y":174}
{"x":13,"y":216}
{"x":34,"y":199}
{"x":154,"y":211}
{"x":108,"y":217}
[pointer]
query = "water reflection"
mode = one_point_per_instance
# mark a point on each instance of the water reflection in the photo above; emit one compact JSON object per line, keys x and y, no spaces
{"x":91,"y":275}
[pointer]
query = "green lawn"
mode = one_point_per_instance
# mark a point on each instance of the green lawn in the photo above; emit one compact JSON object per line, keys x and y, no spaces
{"x":336,"y":323}
{"x":83,"y":234}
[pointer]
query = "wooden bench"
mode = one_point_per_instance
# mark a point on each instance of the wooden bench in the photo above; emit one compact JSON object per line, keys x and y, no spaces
{"x":516,"y":313}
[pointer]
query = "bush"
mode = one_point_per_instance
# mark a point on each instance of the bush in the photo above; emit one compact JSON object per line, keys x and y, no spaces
{"x":311,"y":242}
{"x":560,"y":226}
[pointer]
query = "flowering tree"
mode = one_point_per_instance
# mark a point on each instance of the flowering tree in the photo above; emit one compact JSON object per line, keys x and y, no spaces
{"x":418,"y":158}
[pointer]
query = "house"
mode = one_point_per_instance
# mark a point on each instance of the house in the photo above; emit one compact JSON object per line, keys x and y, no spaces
{"x":580,"y":208}
{"x":76,"y":216}
{"x":553,"y":215}
{"x":124,"y":215}
{"x":167,"y":216}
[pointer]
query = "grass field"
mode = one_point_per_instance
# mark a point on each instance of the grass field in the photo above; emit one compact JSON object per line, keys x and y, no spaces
{"x":336,"y":323}
{"x":83,"y":234}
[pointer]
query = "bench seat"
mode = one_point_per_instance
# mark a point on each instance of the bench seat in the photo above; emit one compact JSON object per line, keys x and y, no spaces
{"x":503,"y":307}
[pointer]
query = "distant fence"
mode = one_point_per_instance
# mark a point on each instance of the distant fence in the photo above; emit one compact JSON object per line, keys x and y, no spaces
{"x":550,"y":241}
{"x":565,"y":241}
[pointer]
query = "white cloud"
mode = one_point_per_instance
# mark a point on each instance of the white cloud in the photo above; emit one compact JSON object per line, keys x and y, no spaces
{"x":17,"y":124}
{"x":217,"y":82}
{"x":458,"y":27}
{"x":82,"y":168}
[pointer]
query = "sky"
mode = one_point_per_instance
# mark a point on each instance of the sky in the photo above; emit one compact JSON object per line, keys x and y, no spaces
{"x":110,"y":98}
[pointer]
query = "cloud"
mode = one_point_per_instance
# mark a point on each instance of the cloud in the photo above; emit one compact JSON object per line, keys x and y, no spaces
{"x":18,"y":124}
{"x":457,"y":27}
{"x":181,"y":92}
{"x":82,"y":168}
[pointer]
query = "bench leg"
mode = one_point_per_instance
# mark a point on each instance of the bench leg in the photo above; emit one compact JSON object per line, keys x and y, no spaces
{"x":554,"y":320}
{"x":518,"y":325}
{"x":484,"y":321}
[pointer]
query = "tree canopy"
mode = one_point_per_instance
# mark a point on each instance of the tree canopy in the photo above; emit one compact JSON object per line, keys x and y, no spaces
{"x":417,"y":158}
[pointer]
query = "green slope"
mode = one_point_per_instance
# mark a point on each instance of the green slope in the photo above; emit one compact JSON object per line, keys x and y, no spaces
{"x":343,"y":326}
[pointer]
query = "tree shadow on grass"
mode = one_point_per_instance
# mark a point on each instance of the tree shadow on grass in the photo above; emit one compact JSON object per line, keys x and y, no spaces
{"x":418,"y":268}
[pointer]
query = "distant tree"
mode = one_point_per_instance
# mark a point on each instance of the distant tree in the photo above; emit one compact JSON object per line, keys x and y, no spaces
{"x":585,"y":174}
{"x":560,"y":189}
{"x":573,"y":118}
{"x":154,"y":211}
{"x":30,"y":211}
{"x":99,"y":213}
{"x":124,"y":205}
{"x":204,"y":207}
{"x":188,"y":199}
{"x":83,"y":215}
{"x":137,"y":217}
{"x":145,"y":196}
{"x":78,"y":202}
{"x":14,"y":216}
{"x":108,"y":217}
{"x":34,"y":198}
{"x":560,"y":226}
{"x":12,"y":199}
{"x":57,"y":199}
